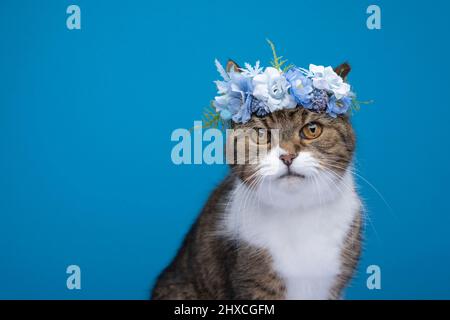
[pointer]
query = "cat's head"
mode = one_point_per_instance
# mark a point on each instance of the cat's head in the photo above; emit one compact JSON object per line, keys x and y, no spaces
{"x":307,"y":159}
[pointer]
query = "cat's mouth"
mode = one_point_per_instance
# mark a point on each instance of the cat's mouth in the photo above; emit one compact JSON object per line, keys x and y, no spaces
{"x":291,"y":174}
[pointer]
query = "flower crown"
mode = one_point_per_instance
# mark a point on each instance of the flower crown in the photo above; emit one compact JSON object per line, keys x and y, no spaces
{"x":251,"y":90}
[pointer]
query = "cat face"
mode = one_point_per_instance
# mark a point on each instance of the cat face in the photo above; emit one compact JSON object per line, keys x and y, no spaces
{"x":308,"y":157}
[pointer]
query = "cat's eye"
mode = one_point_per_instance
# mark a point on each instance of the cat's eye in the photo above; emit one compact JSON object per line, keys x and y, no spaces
{"x":260,"y":136}
{"x":311,"y":131}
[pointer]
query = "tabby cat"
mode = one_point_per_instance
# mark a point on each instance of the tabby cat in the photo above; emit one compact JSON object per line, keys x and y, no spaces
{"x":293,"y":234}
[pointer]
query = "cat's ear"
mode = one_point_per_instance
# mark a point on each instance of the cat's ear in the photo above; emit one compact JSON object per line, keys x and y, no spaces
{"x":231,"y":65}
{"x":343,"y":70}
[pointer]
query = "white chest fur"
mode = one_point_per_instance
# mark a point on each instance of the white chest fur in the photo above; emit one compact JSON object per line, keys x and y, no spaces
{"x":305,"y":243}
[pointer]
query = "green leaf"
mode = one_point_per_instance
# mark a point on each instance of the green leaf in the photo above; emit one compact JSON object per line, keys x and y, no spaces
{"x":276,"y":62}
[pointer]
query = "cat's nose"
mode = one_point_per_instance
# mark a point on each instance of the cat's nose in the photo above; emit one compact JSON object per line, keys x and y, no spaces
{"x":287,"y":158}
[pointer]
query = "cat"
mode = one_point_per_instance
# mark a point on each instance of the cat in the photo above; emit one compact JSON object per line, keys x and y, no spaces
{"x":293,"y":234}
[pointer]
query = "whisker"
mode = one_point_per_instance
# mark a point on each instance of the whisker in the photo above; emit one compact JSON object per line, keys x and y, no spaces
{"x":391,"y":210}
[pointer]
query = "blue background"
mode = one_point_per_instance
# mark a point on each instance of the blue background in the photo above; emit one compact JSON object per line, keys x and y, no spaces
{"x":86,"y":116}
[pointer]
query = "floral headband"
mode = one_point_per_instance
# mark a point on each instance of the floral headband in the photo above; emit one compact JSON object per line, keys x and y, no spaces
{"x":251,"y":90}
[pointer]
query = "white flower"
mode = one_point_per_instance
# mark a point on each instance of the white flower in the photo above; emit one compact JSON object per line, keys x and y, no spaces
{"x":327,"y":79}
{"x":272,"y":88}
{"x":250,"y":71}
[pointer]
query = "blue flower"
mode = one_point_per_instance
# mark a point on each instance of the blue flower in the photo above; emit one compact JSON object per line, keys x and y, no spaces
{"x":225,"y":114}
{"x":336,"y":107}
{"x":259,"y":108}
{"x":319,"y":100}
{"x":301,"y":86}
{"x":244,"y":112}
{"x":234,"y":101}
